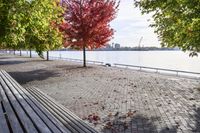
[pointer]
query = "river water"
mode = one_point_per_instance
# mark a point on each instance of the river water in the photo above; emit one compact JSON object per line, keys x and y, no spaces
{"x":162,"y":59}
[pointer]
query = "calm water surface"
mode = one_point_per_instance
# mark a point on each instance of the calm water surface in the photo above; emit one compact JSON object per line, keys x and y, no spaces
{"x":162,"y":59}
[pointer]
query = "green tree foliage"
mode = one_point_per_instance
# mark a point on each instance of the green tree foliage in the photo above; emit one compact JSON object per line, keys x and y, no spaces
{"x":177,"y":22}
{"x":42,"y":34}
{"x":29,"y":24}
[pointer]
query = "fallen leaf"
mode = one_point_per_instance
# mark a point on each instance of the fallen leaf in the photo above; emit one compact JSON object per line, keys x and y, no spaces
{"x":110,"y":115}
{"x":130,"y":114}
{"x":117,"y":113}
{"x":108,"y":125}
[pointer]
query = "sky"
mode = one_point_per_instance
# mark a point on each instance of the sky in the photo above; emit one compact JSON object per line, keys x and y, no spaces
{"x":130,"y":25}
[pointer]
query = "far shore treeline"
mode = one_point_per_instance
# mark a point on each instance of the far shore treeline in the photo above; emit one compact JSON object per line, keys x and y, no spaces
{"x":43,"y":25}
{"x":126,"y":49}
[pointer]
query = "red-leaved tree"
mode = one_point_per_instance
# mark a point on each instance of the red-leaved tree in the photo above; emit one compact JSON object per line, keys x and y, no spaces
{"x":86,"y":24}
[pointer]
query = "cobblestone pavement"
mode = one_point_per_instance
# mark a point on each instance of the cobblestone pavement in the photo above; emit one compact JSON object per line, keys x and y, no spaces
{"x":137,"y":104}
{"x":116,"y":100}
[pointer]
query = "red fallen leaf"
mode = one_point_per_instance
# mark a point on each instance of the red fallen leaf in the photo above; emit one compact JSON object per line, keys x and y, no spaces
{"x":93,"y":117}
{"x":108,"y":125}
{"x":130,"y":113}
{"x":96,"y":118}
{"x":90,"y":118}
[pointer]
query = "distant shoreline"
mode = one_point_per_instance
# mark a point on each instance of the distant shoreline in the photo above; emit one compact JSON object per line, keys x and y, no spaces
{"x":116,"y":50}
{"x":127,"y":49}
{"x":95,"y":50}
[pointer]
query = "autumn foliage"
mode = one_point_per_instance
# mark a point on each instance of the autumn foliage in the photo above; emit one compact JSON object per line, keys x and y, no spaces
{"x":86,"y":23}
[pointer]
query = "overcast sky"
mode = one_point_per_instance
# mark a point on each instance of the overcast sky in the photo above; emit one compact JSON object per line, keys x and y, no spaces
{"x":130,"y":26}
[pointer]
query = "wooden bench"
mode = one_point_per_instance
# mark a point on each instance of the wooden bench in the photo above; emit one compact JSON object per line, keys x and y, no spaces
{"x":31,"y":111}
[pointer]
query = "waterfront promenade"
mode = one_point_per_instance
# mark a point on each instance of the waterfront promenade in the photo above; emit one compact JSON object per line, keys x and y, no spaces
{"x":114,"y":99}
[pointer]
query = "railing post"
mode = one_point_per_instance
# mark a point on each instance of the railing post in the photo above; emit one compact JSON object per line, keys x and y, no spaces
{"x":156,"y":70}
{"x":30,"y":53}
{"x":47,"y":55}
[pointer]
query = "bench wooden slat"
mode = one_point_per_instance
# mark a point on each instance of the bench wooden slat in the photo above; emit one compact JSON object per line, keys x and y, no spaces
{"x":67,"y":113}
{"x":57,"y":123}
{"x":3,"y":124}
{"x":69,"y":124}
{"x":52,"y":123}
{"x":37,"y":123}
{"x":76,"y":125}
{"x":30,"y":110}
{"x":14,"y":123}
{"x":24,"y":119}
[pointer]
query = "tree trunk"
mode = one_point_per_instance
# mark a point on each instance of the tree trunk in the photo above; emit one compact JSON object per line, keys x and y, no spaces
{"x":14,"y":51}
{"x":30,"y":54}
{"x":84,"y":56}
{"x":47,"y":55}
{"x":20,"y":52}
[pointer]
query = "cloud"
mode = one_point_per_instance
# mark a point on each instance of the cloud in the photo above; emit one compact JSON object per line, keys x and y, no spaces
{"x":130,"y":25}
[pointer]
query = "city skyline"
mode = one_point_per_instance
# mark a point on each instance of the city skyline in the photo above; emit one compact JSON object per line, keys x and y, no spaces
{"x":130,"y":25}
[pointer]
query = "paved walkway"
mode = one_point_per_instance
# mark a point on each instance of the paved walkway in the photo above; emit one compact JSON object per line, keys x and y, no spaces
{"x":115,"y":100}
{"x":140,"y":105}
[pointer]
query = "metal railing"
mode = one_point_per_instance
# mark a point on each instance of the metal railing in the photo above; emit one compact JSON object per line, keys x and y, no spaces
{"x":77,"y":60}
{"x":57,"y":58}
{"x":157,"y":70}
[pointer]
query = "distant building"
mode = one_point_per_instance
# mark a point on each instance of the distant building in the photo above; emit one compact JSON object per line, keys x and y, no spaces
{"x":117,"y":45}
{"x":108,"y":46}
{"x":176,"y":48}
{"x":113,"y":45}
